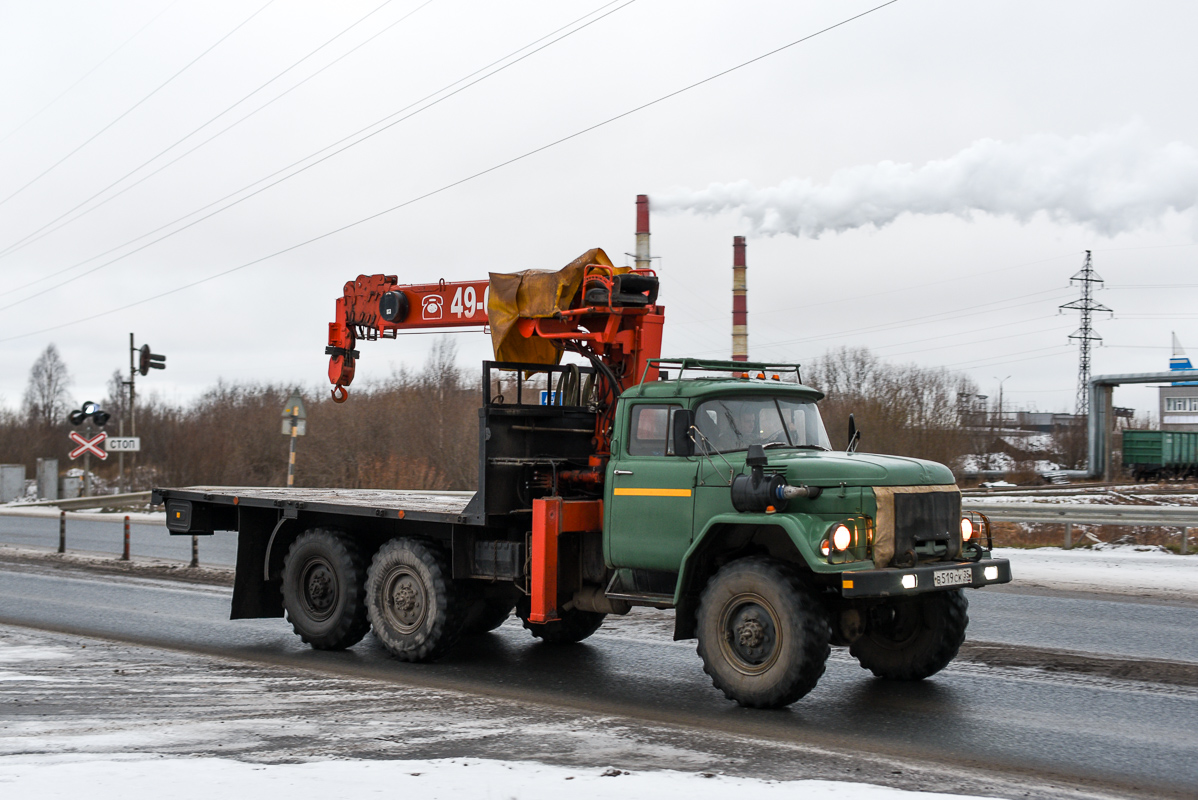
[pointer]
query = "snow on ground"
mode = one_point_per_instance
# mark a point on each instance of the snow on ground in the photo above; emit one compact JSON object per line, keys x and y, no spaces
{"x":95,"y":719}
{"x":201,"y":778}
{"x":1121,"y":569}
{"x":138,"y":517}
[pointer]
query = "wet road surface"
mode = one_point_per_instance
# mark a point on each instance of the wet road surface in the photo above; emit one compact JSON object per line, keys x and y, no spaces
{"x":1137,"y":739}
{"x":1005,"y":615}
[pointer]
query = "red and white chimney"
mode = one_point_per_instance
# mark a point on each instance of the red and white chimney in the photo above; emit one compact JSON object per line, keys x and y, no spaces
{"x":740,"y":311}
{"x":642,"y":231}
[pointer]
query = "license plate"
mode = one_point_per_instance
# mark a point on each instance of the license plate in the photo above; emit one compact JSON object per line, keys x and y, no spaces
{"x":953,"y":577}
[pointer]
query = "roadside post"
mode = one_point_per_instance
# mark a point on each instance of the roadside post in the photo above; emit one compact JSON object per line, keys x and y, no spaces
{"x":295,"y":423}
{"x":1068,"y":535}
{"x":195,"y":551}
{"x":146,"y":361}
{"x":62,"y":531}
{"x":125,"y":553}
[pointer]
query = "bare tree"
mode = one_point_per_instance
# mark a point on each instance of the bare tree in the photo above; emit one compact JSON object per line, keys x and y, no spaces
{"x":46,"y":401}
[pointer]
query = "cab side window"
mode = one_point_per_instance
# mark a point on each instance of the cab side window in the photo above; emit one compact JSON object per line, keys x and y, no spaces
{"x":650,"y":431}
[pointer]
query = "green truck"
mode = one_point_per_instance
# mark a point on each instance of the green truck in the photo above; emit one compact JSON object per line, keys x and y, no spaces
{"x":716,"y":494}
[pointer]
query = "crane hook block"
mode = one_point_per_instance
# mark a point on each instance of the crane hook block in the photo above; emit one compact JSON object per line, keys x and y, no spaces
{"x":340,"y":394}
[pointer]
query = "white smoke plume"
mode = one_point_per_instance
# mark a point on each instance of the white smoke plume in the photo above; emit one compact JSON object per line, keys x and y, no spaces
{"x":1110,"y":182}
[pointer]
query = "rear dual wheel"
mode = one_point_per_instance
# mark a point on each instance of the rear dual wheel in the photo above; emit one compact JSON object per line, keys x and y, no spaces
{"x":412,"y":603}
{"x":324,"y":576}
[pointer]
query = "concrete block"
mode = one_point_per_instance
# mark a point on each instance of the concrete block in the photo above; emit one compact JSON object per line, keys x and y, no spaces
{"x":47,"y":479}
{"x":72,"y":487}
{"x":12,"y":482}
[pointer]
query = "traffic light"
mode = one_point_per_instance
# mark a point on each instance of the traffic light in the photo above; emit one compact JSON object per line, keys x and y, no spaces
{"x":148,"y":361}
{"x":89,"y":409}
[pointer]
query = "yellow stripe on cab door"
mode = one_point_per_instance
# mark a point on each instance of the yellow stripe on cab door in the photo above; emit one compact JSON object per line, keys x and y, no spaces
{"x":653,"y":492}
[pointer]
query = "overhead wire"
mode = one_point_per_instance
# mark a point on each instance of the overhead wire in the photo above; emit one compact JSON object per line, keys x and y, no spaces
{"x":136,"y":105}
{"x":34,"y":236}
{"x":625,"y":3}
{"x":460,"y":181}
{"x":87,"y":74}
{"x":943,"y":316}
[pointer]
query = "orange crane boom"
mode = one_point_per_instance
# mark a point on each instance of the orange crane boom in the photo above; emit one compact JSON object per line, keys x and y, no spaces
{"x":612,"y":319}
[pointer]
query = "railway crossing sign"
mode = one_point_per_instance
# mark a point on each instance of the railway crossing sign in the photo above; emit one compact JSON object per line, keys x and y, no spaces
{"x":90,"y":447}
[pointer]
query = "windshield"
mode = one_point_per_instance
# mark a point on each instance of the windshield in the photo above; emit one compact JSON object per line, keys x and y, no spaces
{"x":734,"y":423}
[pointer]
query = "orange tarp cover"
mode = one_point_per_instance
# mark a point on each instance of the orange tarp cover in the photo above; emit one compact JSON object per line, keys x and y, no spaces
{"x":534,"y":294}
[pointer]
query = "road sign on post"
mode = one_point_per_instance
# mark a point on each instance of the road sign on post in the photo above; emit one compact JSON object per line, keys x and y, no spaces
{"x":123,"y":444}
{"x":88,"y":447}
{"x":295,"y":418}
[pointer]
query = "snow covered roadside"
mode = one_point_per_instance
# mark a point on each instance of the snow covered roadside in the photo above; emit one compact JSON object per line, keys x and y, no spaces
{"x":94,"y":719}
{"x":1121,"y":569}
{"x":137,"y":517}
{"x":201,"y":778}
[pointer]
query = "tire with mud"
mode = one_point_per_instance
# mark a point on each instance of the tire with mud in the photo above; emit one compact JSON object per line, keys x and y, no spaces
{"x":573,"y":627}
{"x":762,"y":636}
{"x":913,"y":638}
{"x":412,"y":603}
{"x":324,"y":589}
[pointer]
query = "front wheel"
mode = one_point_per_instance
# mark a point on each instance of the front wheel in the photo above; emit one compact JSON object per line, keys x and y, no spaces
{"x":913,"y":638}
{"x":412,"y":603}
{"x":762,"y":637}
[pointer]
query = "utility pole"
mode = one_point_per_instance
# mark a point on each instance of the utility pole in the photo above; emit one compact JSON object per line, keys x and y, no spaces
{"x":1000,"y":416}
{"x":1085,"y":334}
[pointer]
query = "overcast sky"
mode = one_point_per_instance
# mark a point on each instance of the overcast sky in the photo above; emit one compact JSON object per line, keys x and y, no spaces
{"x":1051,"y":128}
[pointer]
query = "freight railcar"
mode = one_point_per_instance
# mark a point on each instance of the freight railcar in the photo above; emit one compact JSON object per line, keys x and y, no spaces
{"x":1161,"y":455}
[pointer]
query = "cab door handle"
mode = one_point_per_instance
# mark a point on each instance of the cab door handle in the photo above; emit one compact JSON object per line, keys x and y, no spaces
{"x":622,"y":472}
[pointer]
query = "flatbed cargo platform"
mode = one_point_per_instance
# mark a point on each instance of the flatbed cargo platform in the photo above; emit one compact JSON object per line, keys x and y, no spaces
{"x":386,"y":503}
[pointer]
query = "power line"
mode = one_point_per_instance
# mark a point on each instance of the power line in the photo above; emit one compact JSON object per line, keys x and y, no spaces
{"x":460,"y":181}
{"x":32,"y":237}
{"x":131,"y":108}
{"x":88,"y":74}
{"x":182,"y":228}
{"x":944,"y":316}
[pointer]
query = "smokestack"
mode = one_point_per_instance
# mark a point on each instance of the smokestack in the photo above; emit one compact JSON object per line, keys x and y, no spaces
{"x":740,"y":312}
{"x":642,"y":231}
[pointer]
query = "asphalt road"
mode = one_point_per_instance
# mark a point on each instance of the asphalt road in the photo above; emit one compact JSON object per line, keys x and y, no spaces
{"x":1004,"y":615}
{"x":89,"y":536}
{"x":1133,"y":739}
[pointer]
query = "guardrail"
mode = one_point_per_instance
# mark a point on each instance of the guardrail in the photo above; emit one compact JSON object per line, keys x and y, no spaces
{"x":1070,"y":514}
{"x":95,"y":501}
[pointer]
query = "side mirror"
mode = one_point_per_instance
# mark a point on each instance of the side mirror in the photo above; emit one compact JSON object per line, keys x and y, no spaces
{"x":683,"y":420}
{"x":854,"y":436}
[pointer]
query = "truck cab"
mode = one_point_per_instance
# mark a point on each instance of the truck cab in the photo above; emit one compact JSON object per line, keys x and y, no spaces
{"x":729,"y":477}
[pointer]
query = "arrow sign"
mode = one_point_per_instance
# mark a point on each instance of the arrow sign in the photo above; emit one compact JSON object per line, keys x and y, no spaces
{"x":88,"y":446}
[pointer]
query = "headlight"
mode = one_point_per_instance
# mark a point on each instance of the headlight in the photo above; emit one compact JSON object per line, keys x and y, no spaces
{"x":824,"y":548}
{"x":842,"y":537}
{"x":966,"y":529}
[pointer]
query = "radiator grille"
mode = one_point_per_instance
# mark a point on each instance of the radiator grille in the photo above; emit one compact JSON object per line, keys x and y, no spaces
{"x":924,"y":517}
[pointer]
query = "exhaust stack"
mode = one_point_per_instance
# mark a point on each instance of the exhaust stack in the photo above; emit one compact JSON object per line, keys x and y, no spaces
{"x":740,"y":312}
{"x":642,"y":231}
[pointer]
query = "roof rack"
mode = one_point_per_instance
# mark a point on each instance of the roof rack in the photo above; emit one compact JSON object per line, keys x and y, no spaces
{"x":683,"y":364}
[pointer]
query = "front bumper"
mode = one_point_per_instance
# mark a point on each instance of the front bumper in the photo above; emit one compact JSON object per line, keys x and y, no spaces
{"x":931,"y":578}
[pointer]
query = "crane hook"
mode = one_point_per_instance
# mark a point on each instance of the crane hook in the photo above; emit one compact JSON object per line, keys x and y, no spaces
{"x":340,"y":394}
